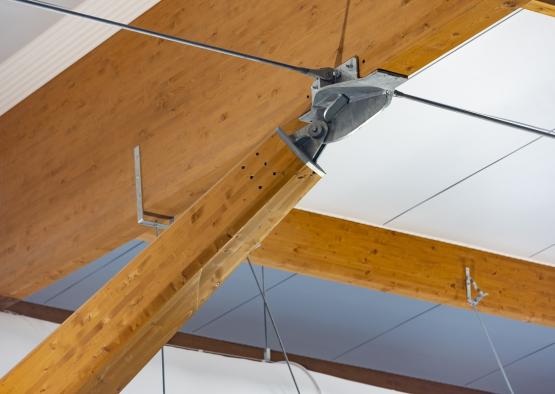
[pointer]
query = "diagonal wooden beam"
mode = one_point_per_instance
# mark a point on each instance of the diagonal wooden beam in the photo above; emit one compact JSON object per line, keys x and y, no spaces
{"x":390,"y":261}
{"x":102,"y":346}
{"x":66,"y":187}
{"x":406,"y":384}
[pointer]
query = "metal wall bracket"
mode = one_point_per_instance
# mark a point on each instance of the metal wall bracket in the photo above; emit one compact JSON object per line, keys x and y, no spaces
{"x":267,"y":355}
{"x":141,"y":213}
{"x":471,"y":283}
{"x":340,"y":107}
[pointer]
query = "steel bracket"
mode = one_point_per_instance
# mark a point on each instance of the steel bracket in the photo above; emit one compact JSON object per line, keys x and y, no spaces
{"x":471,"y":283}
{"x":339,"y":107}
{"x":141,"y":213}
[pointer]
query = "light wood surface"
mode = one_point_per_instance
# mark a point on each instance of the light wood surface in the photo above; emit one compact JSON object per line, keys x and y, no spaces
{"x":66,"y":183}
{"x":385,"y":260}
{"x":102,"y":346}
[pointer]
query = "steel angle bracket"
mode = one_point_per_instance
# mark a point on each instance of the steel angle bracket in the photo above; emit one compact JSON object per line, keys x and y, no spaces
{"x":340,"y":107}
{"x":471,"y":284}
{"x":141,"y":213}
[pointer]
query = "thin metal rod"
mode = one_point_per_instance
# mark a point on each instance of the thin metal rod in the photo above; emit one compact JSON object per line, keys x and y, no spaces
{"x":156,"y":231}
{"x":265,"y":312}
{"x":163,"y":373}
{"x":504,"y":122}
{"x":274,"y":325}
{"x":492,"y":346}
{"x":323,"y":73}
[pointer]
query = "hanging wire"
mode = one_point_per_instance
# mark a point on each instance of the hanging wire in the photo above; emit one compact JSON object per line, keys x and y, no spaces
{"x":157,"y":233}
{"x":163,"y":372}
{"x":307,"y":373}
{"x":326,"y":73}
{"x":265,"y":314}
{"x":494,"y":351}
{"x":274,"y":325}
{"x":471,"y":284}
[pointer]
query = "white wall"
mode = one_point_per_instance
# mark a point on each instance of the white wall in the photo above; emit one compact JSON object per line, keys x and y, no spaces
{"x":36,"y":44}
{"x":20,"y":24}
{"x":186,"y":371}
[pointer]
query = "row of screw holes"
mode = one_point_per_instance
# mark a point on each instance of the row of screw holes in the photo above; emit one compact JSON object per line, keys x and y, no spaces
{"x":265,"y":164}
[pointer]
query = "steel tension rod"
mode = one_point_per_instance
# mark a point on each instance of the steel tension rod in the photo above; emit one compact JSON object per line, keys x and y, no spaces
{"x":326,"y":73}
{"x":504,"y":122}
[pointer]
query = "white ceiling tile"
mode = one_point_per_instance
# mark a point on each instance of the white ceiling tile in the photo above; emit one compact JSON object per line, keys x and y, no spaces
{"x":509,"y":207}
{"x":505,"y":72}
{"x":406,"y":154}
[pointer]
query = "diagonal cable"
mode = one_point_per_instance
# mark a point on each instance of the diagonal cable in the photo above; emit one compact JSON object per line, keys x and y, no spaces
{"x":339,"y":55}
{"x":327,"y":74}
{"x":241,"y":304}
{"x":493,"y":350}
{"x":490,"y":118}
{"x":274,"y":325}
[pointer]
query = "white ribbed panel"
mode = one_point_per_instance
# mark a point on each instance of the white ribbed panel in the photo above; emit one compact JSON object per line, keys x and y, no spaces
{"x":60,"y":46}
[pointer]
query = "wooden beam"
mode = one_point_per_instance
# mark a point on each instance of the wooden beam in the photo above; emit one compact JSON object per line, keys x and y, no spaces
{"x":114,"y":334}
{"x":67,"y":194}
{"x":390,"y":261}
{"x":377,"y":378}
{"x":543,"y":7}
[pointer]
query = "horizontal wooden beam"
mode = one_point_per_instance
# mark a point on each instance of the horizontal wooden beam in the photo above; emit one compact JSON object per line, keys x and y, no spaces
{"x":103,"y":345}
{"x":66,"y":151}
{"x":390,"y":261}
{"x":546,"y":7}
{"x":372,"y":377}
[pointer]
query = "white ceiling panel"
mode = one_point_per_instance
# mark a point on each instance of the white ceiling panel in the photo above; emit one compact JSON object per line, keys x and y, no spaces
{"x":90,"y":277}
{"x":441,"y":174}
{"x":405,"y":155}
{"x":239,"y":289}
{"x":534,"y":374}
{"x":505,"y":72}
{"x":301,"y":308}
{"x":449,"y":345}
{"x":546,"y":255}
{"x":508,"y":207}
{"x":44,"y":44}
{"x":21,"y":24}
